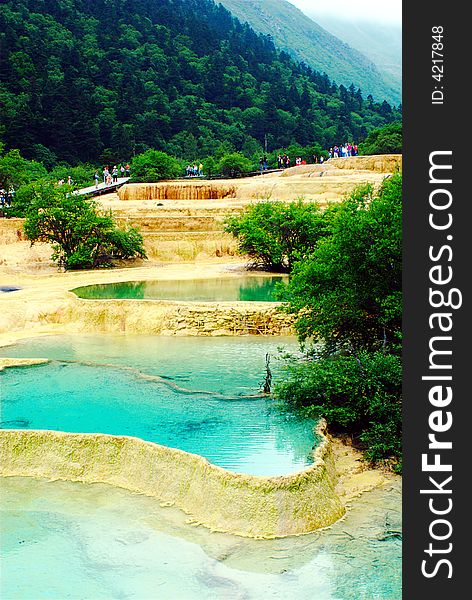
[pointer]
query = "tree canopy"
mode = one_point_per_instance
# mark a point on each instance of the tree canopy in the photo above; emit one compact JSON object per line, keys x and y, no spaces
{"x":81,"y":236}
{"x":348,"y":291}
{"x":277,"y":234}
{"x":101,"y":81}
{"x":384,"y":140}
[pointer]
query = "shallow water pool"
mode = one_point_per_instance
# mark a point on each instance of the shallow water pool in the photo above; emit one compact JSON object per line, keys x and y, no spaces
{"x":249,"y":288}
{"x":198,"y":395}
{"x":90,"y":542}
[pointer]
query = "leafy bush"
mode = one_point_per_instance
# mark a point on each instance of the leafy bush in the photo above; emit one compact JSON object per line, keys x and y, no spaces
{"x":384,"y":140}
{"x":16,"y":170}
{"x":358,"y":395}
{"x":347,"y":297}
{"x":81,"y":237}
{"x":234,"y":164}
{"x":347,"y":293}
{"x":275,"y":234}
{"x":81,"y":175}
{"x":153,"y":165}
{"x":210,"y":167}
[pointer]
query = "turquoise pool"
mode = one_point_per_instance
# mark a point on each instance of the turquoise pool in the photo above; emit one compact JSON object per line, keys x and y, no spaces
{"x":91,"y":542}
{"x":244,"y":288}
{"x":200,"y":395}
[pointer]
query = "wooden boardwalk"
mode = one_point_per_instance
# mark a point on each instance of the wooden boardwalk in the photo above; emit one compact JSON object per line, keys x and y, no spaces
{"x":102,"y":188}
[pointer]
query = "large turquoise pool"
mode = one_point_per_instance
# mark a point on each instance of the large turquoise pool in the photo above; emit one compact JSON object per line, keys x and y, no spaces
{"x":200,"y":395}
{"x":242,"y":288}
{"x":92,"y":542}
{"x":69,"y":540}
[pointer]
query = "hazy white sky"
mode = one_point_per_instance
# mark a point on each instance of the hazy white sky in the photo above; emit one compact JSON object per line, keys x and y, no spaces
{"x":381,"y":11}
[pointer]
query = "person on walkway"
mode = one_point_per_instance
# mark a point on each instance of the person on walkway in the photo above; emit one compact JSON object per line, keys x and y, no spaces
{"x":106,"y":172}
{"x":96,"y":177}
{"x":115,"y":174}
{"x":200,"y":170}
{"x":122,"y":171}
{"x":261,"y":164}
{"x":127,"y":169}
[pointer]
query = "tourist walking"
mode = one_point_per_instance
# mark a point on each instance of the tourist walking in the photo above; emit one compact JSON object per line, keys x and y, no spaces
{"x":127,"y":169}
{"x":96,"y":177}
{"x":115,"y":174}
{"x":122,"y":171}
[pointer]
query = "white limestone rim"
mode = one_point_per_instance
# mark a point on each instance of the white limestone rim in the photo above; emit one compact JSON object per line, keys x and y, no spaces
{"x":318,"y":453}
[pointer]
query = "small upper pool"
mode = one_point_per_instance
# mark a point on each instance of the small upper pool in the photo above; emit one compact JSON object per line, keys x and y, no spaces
{"x":246,"y":288}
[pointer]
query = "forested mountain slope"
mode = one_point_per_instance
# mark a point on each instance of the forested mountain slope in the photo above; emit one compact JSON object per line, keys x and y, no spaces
{"x":380,"y":42}
{"x":85,"y":80}
{"x":305,"y":39}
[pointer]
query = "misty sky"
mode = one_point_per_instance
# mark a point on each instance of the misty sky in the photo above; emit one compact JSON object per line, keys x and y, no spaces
{"x":359,"y":10}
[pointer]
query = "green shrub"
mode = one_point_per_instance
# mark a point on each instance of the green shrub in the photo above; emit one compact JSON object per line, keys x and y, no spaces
{"x":384,"y":140}
{"x":153,"y":165}
{"x":16,"y":170}
{"x":347,"y":296}
{"x":81,"y":237}
{"x":81,"y":175}
{"x":276,"y":234}
{"x":359,"y":395}
{"x":234,"y":164}
{"x":348,"y":292}
{"x":210,"y":167}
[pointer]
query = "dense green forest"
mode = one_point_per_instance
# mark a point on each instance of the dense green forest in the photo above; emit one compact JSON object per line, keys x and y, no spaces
{"x":103,"y":80}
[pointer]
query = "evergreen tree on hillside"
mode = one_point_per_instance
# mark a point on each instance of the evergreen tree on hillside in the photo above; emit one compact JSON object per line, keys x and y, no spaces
{"x":83,"y":80}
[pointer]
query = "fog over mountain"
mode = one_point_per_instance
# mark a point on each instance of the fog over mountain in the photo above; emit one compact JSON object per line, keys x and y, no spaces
{"x":371,"y":27}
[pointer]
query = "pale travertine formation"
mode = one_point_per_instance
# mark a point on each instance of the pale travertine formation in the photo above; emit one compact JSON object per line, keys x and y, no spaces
{"x":182,"y":222}
{"x":246,"y":505}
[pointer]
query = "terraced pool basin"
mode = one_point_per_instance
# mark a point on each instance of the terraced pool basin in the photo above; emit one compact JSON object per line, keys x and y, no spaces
{"x":95,"y":542}
{"x":247,"y":288}
{"x":201,"y":395}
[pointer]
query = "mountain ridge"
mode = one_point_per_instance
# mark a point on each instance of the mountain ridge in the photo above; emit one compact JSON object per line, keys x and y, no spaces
{"x":306,"y":40}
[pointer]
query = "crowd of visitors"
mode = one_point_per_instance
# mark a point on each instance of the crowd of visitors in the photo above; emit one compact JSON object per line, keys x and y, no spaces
{"x":111,"y":176}
{"x":5,"y":199}
{"x":347,"y":149}
{"x":194,"y":170}
{"x":283,"y":161}
{"x":343,"y":150}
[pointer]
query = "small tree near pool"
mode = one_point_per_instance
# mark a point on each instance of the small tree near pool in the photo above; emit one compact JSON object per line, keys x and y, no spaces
{"x":81,"y":236}
{"x":276,"y":234}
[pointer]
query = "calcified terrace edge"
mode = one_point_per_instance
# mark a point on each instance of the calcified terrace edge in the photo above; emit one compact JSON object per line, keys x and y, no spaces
{"x":240,"y":504}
